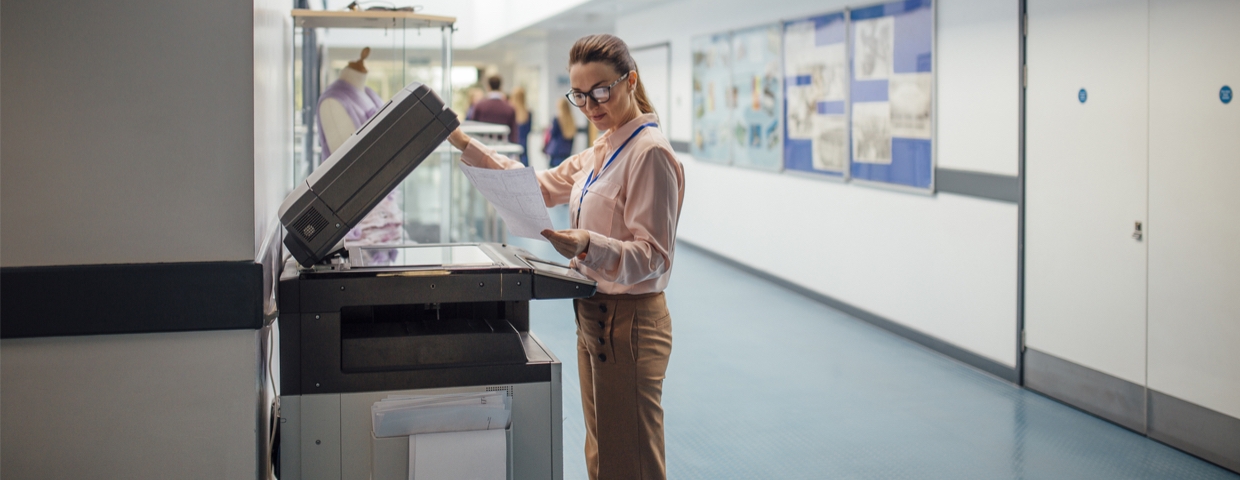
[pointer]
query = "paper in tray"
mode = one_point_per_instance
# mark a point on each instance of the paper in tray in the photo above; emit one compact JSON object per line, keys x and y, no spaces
{"x":412,"y":415}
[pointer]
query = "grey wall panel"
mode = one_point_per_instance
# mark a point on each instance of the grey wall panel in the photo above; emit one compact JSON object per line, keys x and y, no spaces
{"x":128,"y":132}
{"x":1095,"y":392}
{"x":1195,"y":429}
{"x":131,"y":406}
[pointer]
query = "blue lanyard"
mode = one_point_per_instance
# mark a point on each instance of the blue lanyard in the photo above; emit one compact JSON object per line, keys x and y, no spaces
{"x":585,"y":188}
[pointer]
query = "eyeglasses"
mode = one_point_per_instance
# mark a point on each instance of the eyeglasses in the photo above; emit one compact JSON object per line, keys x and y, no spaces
{"x":600,"y":95}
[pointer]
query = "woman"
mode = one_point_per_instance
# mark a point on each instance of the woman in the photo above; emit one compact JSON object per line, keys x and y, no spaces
{"x":560,"y":136}
{"x":624,"y":196}
{"x":517,"y":100}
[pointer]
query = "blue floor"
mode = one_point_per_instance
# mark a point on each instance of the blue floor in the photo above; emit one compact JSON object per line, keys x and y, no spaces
{"x":765,"y":383}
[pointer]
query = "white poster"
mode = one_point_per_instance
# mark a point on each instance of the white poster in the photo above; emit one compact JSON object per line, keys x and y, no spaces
{"x":871,"y":132}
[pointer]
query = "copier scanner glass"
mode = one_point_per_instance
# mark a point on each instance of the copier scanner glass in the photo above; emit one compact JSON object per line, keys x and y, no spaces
{"x":422,"y":256}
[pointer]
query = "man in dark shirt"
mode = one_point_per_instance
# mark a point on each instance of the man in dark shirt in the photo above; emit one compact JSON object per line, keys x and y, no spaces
{"x":495,"y":109}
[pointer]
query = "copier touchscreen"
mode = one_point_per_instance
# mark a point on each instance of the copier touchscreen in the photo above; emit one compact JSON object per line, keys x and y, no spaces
{"x":554,"y":269}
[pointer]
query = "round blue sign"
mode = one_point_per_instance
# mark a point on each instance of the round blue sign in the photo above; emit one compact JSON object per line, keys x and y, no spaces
{"x":1081,"y":95}
{"x":1224,"y":94}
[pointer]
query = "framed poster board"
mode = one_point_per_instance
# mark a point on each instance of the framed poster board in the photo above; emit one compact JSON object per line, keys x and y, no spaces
{"x":816,"y":95}
{"x":892,"y":95}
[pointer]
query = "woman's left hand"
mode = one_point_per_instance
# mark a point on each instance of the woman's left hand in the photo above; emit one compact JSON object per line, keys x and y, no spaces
{"x":570,"y":243}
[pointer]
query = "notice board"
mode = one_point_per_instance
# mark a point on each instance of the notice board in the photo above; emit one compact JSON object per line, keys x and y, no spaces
{"x":816,"y":95}
{"x":892,"y":94}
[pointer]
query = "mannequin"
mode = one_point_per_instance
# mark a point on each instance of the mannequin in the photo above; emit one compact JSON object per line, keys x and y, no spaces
{"x":345,"y":105}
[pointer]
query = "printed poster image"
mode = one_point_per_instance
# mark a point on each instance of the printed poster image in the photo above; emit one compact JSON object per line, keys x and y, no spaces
{"x":758,"y":96}
{"x":713,"y":98}
{"x":830,"y":142}
{"x":873,"y":47}
{"x":871,"y":132}
{"x":909,"y":95}
{"x":824,"y":68}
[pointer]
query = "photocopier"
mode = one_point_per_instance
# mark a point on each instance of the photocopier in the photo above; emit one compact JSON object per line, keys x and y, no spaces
{"x":361,"y":324}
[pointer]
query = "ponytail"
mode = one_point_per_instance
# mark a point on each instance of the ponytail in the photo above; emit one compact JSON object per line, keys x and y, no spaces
{"x":611,"y":50}
{"x":643,"y":102}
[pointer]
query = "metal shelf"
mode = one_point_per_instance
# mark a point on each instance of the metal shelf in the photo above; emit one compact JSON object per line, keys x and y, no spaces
{"x":367,"y":19}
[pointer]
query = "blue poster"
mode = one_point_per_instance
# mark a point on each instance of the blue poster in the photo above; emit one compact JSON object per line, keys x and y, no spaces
{"x":713,"y":99}
{"x":815,"y":92}
{"x":892,"y":94}
{"x":758,"y":98}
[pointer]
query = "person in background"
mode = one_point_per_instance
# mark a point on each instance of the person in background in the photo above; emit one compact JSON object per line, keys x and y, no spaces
{"x":624,"y":196}
{"x":559,"y":139}
{"x":475,"y":95}
{"x":494,"y":108}
{"x":517,"y":101}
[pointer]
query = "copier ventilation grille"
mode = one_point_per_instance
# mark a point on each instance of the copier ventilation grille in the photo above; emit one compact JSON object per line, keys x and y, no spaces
{"x":501,"y":389}
{"x":310,"y":224}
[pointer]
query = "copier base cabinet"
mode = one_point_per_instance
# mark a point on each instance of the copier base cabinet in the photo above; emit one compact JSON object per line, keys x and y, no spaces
{"x":355,"y":333}
{"x":328,"y":436}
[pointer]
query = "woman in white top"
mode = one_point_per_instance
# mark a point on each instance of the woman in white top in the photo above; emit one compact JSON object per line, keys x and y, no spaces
{"x":624,"y":196}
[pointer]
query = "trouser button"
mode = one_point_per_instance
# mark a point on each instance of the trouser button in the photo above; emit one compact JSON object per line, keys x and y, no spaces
{"x":601,"y":342}
{"x":600,"y":324}
{"x":602,"y":357}
{"x":603,"y":307}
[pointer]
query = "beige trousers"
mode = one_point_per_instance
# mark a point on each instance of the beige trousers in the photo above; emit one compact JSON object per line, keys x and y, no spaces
{"x":623,"y":344}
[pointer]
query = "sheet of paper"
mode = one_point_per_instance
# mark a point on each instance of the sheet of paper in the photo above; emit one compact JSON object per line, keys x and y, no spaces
{"x":516,"y":196}
{"x":481,"y":455}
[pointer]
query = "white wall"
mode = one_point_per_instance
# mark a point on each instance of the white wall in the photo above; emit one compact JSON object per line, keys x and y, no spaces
{"x":273,"y":114}
{"x":1194,"y":309}
{"x":944,"y":265}
{"x":128,"y":132}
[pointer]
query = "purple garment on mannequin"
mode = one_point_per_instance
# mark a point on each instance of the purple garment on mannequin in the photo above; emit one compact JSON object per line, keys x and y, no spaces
{"x":383,"y":225}
{"x":359,"y":104}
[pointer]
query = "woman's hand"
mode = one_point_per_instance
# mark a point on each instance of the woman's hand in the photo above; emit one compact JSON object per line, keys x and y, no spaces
{"x":570,"y":243}
{"x":458,"y":139}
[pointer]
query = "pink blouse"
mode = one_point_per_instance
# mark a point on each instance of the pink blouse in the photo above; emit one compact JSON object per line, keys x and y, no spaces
{"x":631,"y":210}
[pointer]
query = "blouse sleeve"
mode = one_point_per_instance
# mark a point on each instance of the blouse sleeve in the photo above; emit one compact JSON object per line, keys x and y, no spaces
{"x":651,"y":211}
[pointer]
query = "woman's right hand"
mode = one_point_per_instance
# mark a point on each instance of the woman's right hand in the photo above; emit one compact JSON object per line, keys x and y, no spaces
{"x":458,"y":139}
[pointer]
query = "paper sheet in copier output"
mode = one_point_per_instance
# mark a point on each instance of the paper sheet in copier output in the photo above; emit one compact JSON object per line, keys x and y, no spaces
{"x":516,"y":196}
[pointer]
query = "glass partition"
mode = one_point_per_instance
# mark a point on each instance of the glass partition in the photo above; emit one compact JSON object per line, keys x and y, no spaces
{"x":435,"y":203}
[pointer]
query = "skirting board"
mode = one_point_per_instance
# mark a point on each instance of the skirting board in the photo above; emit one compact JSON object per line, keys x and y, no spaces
{"x":952,"y":351}
{"x":1205,"y":433}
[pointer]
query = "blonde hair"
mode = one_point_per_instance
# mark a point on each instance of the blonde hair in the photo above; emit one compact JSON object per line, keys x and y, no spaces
{"x":517,"y":100}
{"x":611,"y":50}
{"x":568,"y":126}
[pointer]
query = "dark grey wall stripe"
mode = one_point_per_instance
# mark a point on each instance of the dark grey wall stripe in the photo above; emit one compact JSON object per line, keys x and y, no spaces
{"x":1114,"y":399}
{"x":976,"y":184}
{"x":969,"y":358}
{"x":131,"y":298}
{"x":1213,"y":436}
{"x":990,"y":186}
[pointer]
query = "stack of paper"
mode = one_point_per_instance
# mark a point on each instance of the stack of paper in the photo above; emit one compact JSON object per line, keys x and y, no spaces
{"x":399,"y":415}
{"x":452,"y":436}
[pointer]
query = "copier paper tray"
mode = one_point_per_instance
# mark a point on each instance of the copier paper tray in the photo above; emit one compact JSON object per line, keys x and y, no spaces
{"x":402,"y":337}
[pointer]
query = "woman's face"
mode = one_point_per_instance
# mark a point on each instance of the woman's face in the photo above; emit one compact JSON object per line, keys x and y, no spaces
{"x":619,"y":109}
